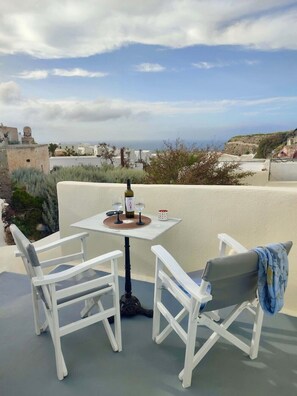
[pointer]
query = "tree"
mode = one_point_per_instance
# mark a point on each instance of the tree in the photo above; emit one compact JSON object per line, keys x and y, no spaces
{"x":70,"y":152}
{"x":51,"y":149}
{"x":181,"y":165}
{"x":106,"y":152}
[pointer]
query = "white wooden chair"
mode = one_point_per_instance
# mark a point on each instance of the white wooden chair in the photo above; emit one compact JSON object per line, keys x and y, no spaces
{"x":226,"y":281}
{"x":67,"y":285}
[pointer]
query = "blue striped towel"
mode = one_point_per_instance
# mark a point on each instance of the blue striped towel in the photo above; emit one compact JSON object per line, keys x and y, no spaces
{"x":272,"y":276}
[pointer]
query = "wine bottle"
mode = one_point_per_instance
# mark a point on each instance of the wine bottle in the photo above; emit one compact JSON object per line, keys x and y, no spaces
{"x":129,"y":201}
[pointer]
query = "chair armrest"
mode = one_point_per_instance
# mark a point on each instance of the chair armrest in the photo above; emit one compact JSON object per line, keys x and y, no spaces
{"x":61,"y":241}
{"x":57,"y":243}
{"x":232,"y":243}
{"x":179,"y":274}
{"x":78,"y":269}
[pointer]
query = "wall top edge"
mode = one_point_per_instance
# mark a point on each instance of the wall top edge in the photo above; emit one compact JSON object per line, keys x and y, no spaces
{"x":22,"y":146}
{"x":183,"y":186}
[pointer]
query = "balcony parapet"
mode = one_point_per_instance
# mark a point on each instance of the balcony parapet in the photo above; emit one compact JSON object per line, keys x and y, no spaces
{"x":253,"y":215}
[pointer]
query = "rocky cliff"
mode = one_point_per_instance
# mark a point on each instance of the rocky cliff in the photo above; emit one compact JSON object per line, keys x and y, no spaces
{"x":260,"y":144}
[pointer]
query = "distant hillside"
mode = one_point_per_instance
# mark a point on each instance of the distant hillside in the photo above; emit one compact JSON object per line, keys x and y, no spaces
{"x":260,"y":144}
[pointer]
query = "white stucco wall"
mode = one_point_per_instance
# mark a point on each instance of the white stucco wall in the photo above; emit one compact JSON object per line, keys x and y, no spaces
{"x":280,"y":171}
{"x":74,"y":161}
{"x":257,"y":179}
{"x":253,"y":215}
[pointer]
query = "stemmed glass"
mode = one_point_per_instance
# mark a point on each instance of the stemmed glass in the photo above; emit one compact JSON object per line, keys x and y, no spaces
{"x":139,"y":206}
{"x":117,"y":205}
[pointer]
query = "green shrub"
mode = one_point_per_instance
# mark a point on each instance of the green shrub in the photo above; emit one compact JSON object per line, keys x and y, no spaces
{"x":28,"y":212}
{"x":44,"y":188}
{"x":21,"y":200}
{"x":181,"y":165}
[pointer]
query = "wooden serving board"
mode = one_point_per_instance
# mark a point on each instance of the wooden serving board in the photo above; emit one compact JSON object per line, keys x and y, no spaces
{"x":127,"y":223}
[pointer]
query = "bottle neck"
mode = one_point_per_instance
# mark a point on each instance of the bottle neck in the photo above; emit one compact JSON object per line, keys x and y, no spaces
{"x":128,"y":184}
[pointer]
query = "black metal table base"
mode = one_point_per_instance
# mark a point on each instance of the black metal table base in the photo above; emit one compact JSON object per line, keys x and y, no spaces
{"x":130,"y":306}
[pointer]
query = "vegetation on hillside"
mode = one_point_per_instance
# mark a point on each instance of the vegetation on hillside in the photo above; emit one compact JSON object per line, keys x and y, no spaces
{"x":266,"y":144}
{"x":271,"y":143}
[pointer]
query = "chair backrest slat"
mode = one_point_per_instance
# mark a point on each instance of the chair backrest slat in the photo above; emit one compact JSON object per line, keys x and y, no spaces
{"x":30,"y":260}
{"x":233,"y":279}
{"x":22,"y":243}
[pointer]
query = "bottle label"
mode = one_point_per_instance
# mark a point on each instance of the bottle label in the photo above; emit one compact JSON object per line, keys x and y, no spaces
{"x":130,"y":204}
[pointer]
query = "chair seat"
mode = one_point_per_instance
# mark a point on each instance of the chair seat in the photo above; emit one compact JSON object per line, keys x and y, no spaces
{"x":196,"y":276}
{"x":88,"y":275}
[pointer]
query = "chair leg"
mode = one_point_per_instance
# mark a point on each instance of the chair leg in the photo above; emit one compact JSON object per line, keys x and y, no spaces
{"x":157,"y":299}
{"x":60,"y":363}
{"x":108,"y":329}
{"x":53,"y":321}
{"x":36,"y":315}
{"x":214,"y":315}
{"x":190,"y":351}
{"x":256,"y":332}
{"x":117,"y":321}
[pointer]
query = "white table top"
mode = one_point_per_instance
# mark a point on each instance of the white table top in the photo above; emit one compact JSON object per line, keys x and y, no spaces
{"x":148,"y":232}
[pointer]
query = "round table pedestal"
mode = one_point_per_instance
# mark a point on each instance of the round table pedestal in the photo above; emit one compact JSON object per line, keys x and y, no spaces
{"x":130,"y":306}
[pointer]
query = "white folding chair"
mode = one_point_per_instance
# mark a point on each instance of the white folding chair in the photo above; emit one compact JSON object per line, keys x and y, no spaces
{"x":226,"y":281}
{"x":67,"y":285}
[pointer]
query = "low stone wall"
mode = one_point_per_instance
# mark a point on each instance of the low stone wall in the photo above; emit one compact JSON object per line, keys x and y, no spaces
{"x":252,"y":215}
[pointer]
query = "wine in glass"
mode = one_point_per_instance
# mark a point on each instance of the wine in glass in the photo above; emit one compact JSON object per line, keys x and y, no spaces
{"x":139,"y":206}
{"x":117,"y":205}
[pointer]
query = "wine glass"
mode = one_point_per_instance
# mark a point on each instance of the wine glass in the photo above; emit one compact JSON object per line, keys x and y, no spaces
{"x":139,"y":206}
{"x":117,"y":205}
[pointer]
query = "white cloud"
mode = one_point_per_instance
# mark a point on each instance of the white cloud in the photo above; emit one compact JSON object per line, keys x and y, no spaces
{"x":211,"y":65}
{"x":78,"y":111}
{"x":74,"y":119}
{"x":110,"y":109}
{"x":10,"y":93}
{"x":83,"y":112}
{"x":55,"y":29}
{"x":33,"y":74}
{"x":208,"y":65}
{"x":149,"y":67}
{"x":77,"y":73}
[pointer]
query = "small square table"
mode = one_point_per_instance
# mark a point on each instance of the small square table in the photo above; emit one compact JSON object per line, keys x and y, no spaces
{"x":130,"y":304}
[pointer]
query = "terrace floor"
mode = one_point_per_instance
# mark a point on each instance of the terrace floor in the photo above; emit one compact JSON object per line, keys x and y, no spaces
{"x":27,"y":365}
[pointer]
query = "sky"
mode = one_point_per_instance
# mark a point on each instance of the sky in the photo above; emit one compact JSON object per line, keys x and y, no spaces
{"x":105,"y":70}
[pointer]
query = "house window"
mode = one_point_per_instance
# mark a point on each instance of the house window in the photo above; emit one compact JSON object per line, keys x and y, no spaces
{"x":28,"y":160}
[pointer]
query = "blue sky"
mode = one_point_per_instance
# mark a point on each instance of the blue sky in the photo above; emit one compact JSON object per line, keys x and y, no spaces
{"x":161,"y":69}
